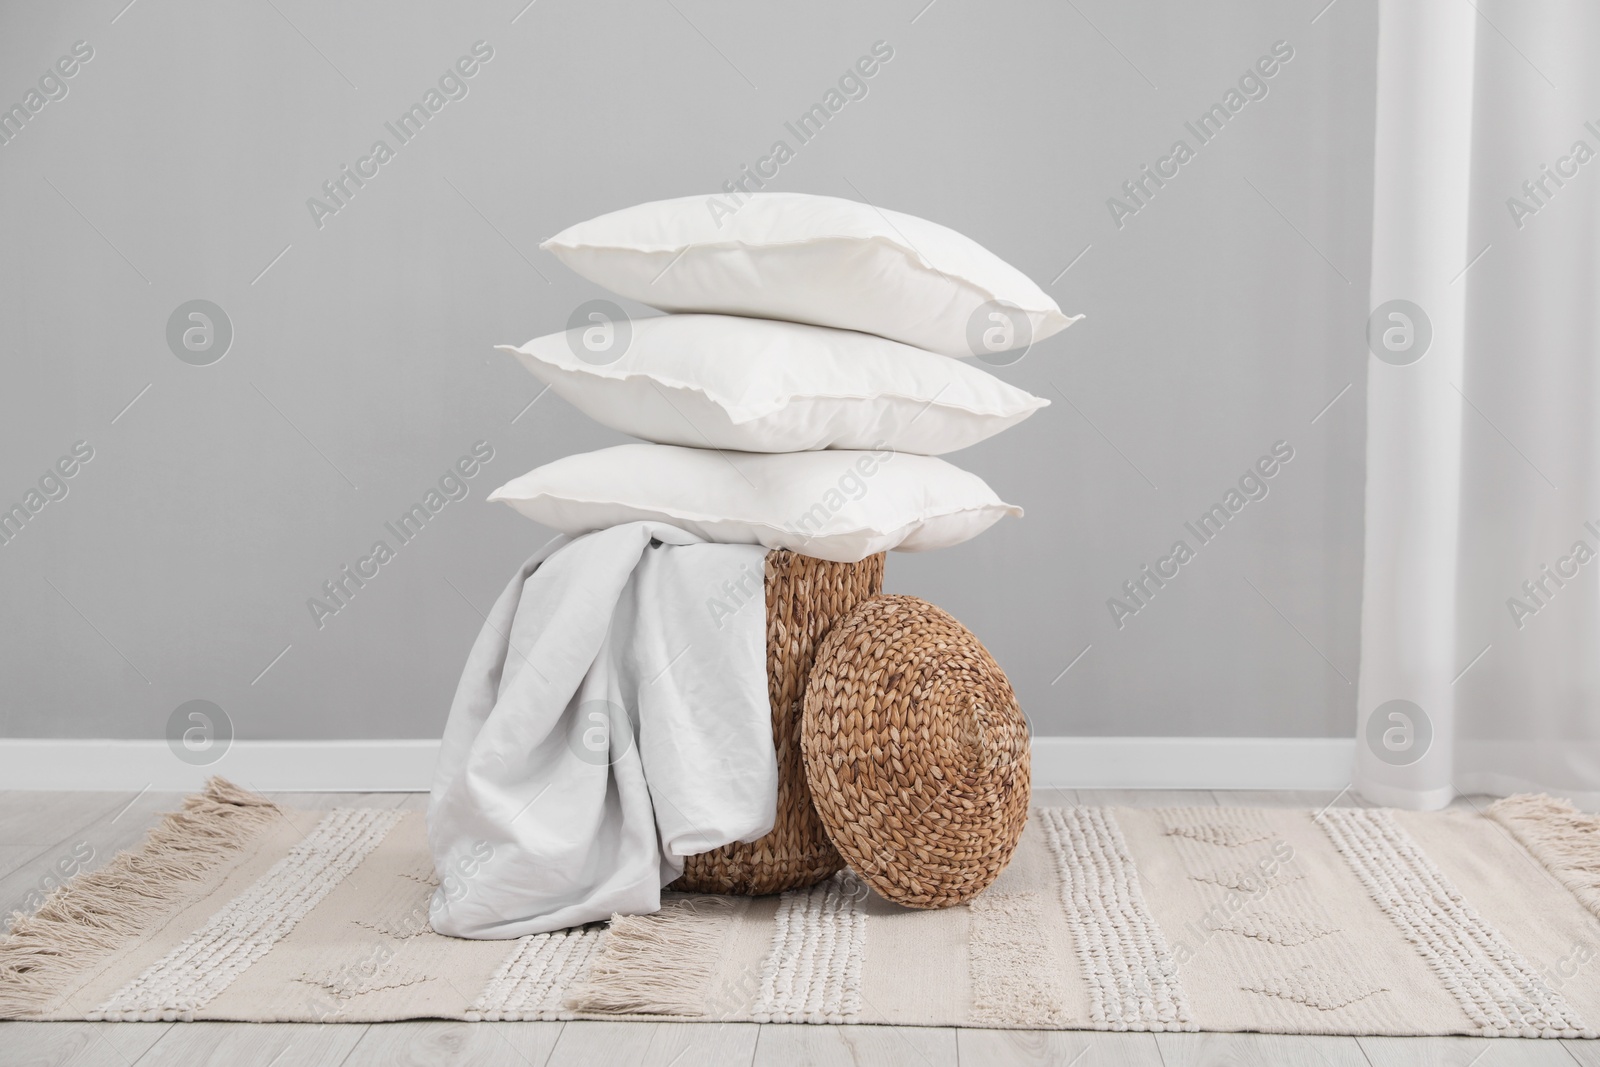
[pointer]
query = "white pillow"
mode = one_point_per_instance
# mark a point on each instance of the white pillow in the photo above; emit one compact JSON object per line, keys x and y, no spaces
{"x":816,"y":259}
{"x":759,"y":385}
{"x":834,"y":505}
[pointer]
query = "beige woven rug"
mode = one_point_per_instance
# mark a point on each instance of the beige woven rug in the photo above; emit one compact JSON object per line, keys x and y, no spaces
{"x":1349,"y":921}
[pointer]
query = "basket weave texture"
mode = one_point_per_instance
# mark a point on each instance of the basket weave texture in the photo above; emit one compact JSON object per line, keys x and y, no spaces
{"x":916,"y":752}
{"x":805,"y":597}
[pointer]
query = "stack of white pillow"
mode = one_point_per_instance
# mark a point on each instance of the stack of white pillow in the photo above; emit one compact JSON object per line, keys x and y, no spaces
{"x":799,"y":393}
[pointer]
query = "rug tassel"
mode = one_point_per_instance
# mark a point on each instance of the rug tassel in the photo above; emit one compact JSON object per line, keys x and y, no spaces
{"x":660,"y":964}
{"x":1564,"y":839}
{"x":99,"y":911}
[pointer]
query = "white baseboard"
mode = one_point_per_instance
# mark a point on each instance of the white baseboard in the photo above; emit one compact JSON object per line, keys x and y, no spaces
{"x":407,"y":766}
{"x":383,"y":766}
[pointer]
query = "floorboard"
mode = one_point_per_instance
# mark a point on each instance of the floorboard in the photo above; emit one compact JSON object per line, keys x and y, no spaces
{"x":432,"y":1043}
{"x":707,"y":1043}
{"x":1258,"y":1050}
{"x":1055,"y":798}
{"x":29,"y":818}
{"x":77,"y":1044}
{"x":253,"y":1044}
{"x":14,"y":856}
{"x":800,"y":1044}
{"x":1147,"y":798}
{"x":655,"y":1044}
{"x":1477,"y":802}
{"x":83,"y":849}
{"x":1462,"y":1051}
{"x":1312,"y":799}
{"x":1586,"y":1053}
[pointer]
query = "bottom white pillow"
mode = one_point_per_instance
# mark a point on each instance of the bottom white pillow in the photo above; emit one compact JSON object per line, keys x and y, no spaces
{"x":839,"y":505}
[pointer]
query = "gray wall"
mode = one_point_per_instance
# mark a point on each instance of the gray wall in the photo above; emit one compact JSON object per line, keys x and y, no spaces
{"x":1222,"y":317}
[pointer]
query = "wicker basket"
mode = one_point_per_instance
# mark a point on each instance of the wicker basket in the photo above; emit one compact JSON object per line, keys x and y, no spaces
{"x":805,"y":597}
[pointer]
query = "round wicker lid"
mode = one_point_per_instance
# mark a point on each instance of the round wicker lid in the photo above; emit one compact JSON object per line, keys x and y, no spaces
{"x":916,"y":753}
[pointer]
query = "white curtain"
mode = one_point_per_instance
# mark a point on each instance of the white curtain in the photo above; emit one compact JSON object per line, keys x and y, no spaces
{"x":1480,"y":642}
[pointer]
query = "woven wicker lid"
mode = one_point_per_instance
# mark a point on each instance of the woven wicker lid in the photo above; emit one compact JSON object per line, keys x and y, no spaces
{"x":916,"y":752}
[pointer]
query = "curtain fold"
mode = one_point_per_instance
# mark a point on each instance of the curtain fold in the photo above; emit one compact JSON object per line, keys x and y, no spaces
{"x":1528,"y":714}
{"x":1415,"y":338}
{"x":1480,"y":644}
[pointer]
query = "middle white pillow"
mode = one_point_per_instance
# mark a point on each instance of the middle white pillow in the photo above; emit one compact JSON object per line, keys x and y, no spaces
{"x":763,"y":385}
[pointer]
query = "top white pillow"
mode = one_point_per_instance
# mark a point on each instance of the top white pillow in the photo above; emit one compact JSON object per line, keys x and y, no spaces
{"x":815,"y":259}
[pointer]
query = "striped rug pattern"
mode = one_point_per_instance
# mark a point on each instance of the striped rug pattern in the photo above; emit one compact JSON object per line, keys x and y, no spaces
{"x":1342,"y":921}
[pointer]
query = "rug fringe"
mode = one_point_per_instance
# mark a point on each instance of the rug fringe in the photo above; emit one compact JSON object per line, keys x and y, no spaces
{"x":660,"y":964}
{"x":99,"y":911}
{"x":1564,"y":839}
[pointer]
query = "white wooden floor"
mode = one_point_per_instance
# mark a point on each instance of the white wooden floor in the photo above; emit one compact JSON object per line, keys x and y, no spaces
{"x":38,"y":828}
